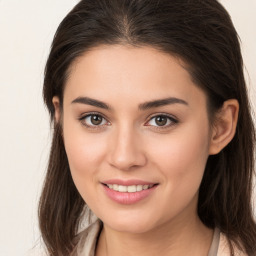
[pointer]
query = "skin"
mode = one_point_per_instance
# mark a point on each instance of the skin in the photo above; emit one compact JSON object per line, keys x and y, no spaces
{"x":129,"y":144}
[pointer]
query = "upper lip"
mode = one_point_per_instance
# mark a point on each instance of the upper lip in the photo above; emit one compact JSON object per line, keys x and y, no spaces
{"x":128,"y":182}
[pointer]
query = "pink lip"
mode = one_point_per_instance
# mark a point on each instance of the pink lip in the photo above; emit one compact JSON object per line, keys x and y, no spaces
{"x":127,"y":182}
{"x":126,"y":197}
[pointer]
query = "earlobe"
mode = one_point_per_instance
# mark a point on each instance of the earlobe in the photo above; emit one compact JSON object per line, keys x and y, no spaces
{"x":224,"y":126}
{"x":56,"y":104}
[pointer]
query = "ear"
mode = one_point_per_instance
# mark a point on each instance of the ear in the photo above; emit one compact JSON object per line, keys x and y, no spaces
{"x":224,"y":126}
{"x":56,"y":104}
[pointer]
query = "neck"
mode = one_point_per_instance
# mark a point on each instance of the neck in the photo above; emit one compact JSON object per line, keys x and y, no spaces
{"x":169,"y":239}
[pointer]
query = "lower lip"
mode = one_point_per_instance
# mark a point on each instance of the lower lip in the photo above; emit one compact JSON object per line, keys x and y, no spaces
{"x":126,"y":197}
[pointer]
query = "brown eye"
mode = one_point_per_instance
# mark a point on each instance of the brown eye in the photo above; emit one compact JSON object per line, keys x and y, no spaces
{"x":161,"y":120}
{"x":93,"y":120}
{"x":96,"y":119}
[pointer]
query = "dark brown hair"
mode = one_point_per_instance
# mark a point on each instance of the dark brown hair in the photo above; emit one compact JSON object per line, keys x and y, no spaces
{"x":201,"y":33}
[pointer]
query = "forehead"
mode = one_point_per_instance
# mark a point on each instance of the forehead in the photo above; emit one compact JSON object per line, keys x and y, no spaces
{"x":130,"y":73}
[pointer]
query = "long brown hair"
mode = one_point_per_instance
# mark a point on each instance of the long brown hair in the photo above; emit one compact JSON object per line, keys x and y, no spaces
{"x":201,"y":33}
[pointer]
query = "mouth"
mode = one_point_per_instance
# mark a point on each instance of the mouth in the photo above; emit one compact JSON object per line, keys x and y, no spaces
{"x":129,"y":189}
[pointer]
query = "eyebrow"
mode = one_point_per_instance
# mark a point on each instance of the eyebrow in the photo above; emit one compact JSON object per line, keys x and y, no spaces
{"x":142,"y":106}
{"x":161,"y":102}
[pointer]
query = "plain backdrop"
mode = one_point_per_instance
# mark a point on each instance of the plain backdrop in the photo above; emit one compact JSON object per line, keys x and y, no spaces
{"x":26,"y":30}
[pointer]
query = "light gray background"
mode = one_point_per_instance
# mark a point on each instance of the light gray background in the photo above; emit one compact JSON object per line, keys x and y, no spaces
{"x":26,"y":31}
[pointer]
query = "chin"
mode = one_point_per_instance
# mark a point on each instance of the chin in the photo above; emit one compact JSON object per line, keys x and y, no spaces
{"x":130,"y":228}
{"x":132,"y":223}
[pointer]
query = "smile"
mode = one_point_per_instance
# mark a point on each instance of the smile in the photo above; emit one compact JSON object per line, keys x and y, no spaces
{"x":129,"y":189}
{"x":128,"y":192}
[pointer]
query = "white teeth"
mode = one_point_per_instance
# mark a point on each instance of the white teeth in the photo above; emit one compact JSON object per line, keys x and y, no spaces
{"x":139,"y":187}
{"x":130,"y":189}
{"x":122,"y":188}
{"x":145,"y":186}
{"x":115,"y":187}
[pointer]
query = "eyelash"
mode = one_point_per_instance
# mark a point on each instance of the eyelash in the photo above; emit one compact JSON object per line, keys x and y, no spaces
{"x":173,"y":121}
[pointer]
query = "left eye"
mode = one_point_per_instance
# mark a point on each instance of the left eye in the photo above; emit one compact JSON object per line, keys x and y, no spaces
{"x":94,"y":120}
{"x":162,"y":120}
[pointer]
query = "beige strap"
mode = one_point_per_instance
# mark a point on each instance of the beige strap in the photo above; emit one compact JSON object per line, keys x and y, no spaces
{"x":215,"y":243}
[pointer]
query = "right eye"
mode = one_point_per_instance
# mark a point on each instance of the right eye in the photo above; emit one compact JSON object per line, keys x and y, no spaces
{"x":93,"y":120}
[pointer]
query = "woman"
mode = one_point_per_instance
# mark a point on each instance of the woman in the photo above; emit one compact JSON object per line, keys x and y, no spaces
{"x":153,"y":135}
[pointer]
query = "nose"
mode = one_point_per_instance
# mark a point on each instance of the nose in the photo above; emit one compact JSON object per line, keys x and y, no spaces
{"x":126,"y":150}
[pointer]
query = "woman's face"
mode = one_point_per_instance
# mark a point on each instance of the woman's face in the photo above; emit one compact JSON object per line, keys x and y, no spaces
{"x":134,"y":121}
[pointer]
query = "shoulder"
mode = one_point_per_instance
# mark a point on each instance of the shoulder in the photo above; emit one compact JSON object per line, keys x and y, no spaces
{"x":87,"y":239}
{"x":224,"y":249}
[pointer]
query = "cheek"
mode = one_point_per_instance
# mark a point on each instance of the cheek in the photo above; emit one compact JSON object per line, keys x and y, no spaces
{"x":181,"y":158}
{"x":83,"y":149}
{"x":186,"y":149}
{"x":85,"y":153}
